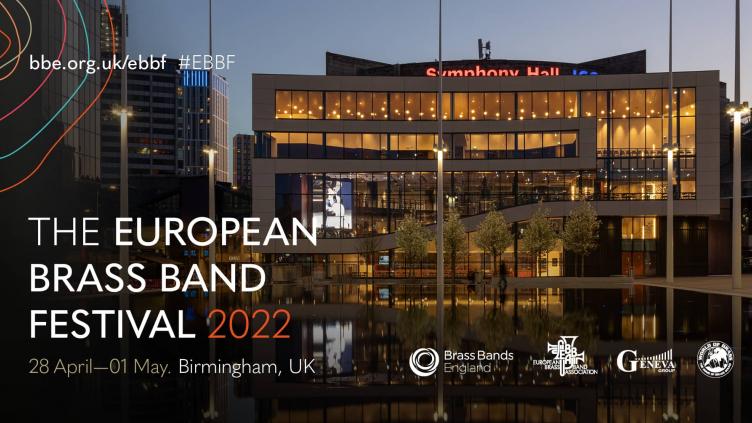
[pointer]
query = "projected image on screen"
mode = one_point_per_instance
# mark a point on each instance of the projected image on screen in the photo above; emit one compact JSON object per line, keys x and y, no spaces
{"x":336,"y":210}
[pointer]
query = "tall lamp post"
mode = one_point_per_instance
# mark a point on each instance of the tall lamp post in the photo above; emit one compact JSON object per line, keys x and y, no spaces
{"x":440,"y":414}
{"x":670,"y":149}
{"x":124,"y":253}
{"x":211,"y":413}
{"x":737,"y":109}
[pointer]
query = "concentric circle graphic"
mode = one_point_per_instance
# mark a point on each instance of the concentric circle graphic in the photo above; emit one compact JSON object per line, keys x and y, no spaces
{"x":424,"y":369}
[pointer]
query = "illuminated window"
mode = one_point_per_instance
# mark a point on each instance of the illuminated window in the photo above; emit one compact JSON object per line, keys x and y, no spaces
{"x":280,"y":143}
{"x":571,"y":106}
{"x":475,"y":106}
{"x":297,"y":148}
{"x":380,"y":106}
{"x":653,"y":103}
{"x":372,"y":145}
{"x":425,"y":146}
{"x":637,"y":103}
{"x":506,"y":106}
{"x":334,"y":144}
{"x":299,"y":105}
{"x":588,"y":104}
{"x":478,"y":146}
{"x":460,"y":106}
{"x":687,"y":101}
{"x":637,"y":132}
{"x":687,"y":134}
{"x":365,"y":106}
{"x":569,"y":144}
{"x":412,"y":106}
{"x":353,"y":146}
{"x":283,"y":100}
{"x":349,"y":108}
{"x":491,"y":106}
{"x":524,"y":106}
{"x":556,"y":105}
{"x":406,"y":146}
{"x":533,"y":145}
{"x":540,"y":105}
{"x":315,"y":146}
{"x":497,"y":146}
{"x":551,"y":145}
{"x":333,"y":105}
{"x":315,"y":105}
{"x":428,"y":106}
{"x":620,"y":104}
{"x":396,"y":106}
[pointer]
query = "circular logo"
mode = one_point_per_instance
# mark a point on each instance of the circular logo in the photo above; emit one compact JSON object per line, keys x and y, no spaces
{"x":715,"y":359}
{"x":424,"y":361}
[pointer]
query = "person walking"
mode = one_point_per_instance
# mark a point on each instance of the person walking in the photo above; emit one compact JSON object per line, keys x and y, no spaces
{"x":502,"y":283}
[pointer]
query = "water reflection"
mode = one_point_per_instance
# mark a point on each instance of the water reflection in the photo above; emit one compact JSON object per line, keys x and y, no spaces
{"x":361,"y":336}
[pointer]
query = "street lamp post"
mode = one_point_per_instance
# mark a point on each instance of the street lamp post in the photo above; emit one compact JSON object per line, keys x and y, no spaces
{"x":440,"y":414}
{"x":124,"y":252}
{"x":212,"y":413}
{"x":736,"y":218}
{"x":670,"y":149}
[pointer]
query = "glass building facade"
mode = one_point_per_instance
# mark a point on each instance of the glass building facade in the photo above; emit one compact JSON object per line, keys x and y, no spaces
{"x":351,"y":162}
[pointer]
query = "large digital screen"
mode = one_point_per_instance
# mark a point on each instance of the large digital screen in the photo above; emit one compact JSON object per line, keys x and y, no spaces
{"x":336,"y":209}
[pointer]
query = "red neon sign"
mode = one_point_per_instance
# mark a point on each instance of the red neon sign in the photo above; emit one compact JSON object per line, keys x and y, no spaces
{"x":479,"y":71}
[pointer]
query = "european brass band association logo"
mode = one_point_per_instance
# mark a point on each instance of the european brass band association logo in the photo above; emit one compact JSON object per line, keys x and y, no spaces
{"x":629,"y":362}
{"x":568,"y":360}
{"x":424,"y":361}
{"x":715,"y":359}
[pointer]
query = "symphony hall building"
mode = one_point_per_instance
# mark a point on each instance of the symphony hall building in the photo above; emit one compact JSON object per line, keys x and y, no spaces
{"x":351,"y":153}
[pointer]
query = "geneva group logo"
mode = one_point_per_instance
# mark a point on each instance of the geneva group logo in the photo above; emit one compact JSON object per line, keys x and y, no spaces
{"x":567,"y":358}
{"x":715,"y":359}
{"x":627,"y":361}
{"x":424,"y":361}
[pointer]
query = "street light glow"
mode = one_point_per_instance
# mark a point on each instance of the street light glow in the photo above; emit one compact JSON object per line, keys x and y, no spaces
{"x":741,"y":108}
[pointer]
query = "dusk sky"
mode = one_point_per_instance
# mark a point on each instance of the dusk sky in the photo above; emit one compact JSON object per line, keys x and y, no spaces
{"x":292,"y":36}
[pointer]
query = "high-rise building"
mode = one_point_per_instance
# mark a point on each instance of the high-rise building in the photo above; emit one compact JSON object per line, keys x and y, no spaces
{"x":109,"y":45}
{"x":154,"y":127}
{"x":68,"y":93}
{"x":242,"y":146}
{"x":205,"y":105}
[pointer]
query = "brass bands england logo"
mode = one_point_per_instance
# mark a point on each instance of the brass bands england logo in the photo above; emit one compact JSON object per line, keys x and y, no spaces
{"x":424,"y":361}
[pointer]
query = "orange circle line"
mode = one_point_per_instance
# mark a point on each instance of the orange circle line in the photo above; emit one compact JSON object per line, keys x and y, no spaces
{"x":10,"y":43}
{"x":18,"y":36}
{"x":99,"y":94}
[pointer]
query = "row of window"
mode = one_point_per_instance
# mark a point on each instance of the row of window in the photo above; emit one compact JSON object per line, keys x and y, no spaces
{"x":527,"y":145}
{"x":364,"y":105}
{"x":645,"y":134}
{"x":359,"y":204}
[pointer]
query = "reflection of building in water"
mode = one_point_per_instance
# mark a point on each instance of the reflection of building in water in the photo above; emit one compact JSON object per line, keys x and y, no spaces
{"x":381,"y":387}
{"x":351,"y":153}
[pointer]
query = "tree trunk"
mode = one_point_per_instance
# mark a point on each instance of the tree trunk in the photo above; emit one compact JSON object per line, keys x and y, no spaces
{"x":575,"y":265}
{"x":582,"y":265}
{"x":492,"y":276}
{"x":454,"y":272}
